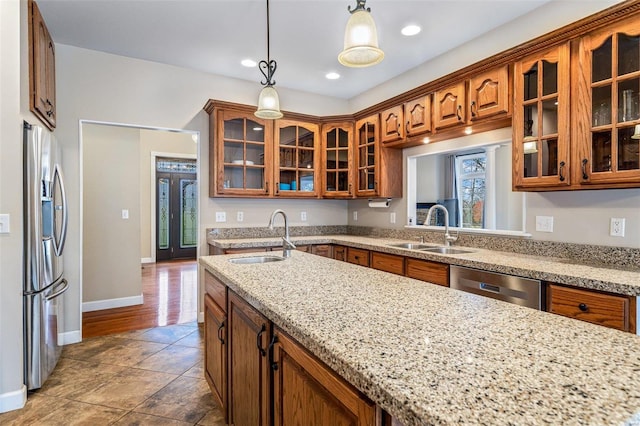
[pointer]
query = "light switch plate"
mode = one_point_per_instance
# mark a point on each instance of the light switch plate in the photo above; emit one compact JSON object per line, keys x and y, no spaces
{"x":303,"y":216}
{"x":5,"y":223}
{"x":355,"y":215}
{"x":392,"y":217}
{"x":125,"y":214}
{"x":221,"y":216}
{"x":240,"y":216}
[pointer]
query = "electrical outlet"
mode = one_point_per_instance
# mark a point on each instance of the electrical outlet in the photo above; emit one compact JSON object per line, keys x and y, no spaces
{"x":544,"y":223}
{"x":355,"y":215}
{"x":5,"y":224}
{"x":221,"y":217}
{"x":125,"y":214}
{"x":616,"y":229}
{"x":303,"y":216}
{"x":392,"y":217}
{"x":240,"y":216}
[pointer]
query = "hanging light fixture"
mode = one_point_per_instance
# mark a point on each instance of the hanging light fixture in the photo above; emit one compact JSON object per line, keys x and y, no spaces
{"x":268,"y":101}
{"x":360,"y":39}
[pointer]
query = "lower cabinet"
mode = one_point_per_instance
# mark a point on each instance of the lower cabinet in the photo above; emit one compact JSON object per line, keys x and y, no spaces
{"x":425,"y":270}
{"x":387,"y":262}
{"x":249,"y":369}
{"x":358,"y":256}
{"x":306,"y":392}
{"x":324,"y":250}
{"x":610,"y":310}
{"x":340,"y":253}
{"x":215,"y":349}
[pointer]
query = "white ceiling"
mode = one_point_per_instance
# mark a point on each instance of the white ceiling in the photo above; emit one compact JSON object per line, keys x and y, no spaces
{"x":213,"y":36}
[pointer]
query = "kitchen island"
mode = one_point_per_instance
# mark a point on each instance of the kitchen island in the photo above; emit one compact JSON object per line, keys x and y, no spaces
{"x":432,"y":355}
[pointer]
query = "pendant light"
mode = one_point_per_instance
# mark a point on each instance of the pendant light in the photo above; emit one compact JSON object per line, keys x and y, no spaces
{"x":360,"y":39}
{"x":268,"y":101}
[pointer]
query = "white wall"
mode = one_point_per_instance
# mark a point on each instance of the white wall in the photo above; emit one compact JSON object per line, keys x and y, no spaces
{"x":102,"y":87}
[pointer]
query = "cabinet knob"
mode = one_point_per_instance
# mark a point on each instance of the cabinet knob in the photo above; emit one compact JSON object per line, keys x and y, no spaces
{"x":583,"y":307}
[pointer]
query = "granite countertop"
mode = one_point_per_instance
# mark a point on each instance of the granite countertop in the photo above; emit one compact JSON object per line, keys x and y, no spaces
{"x":433,"y":355}
{"x":563,"y":271}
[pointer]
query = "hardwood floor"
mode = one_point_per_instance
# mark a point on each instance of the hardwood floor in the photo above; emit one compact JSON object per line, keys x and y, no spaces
{"x":170,"y":294}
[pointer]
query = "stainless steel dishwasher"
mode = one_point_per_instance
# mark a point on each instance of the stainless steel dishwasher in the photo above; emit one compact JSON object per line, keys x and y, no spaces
{"x":508,"y":288}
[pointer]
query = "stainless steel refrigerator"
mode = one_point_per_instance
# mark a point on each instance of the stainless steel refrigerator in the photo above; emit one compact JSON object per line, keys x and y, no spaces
{"x":45,"y":230}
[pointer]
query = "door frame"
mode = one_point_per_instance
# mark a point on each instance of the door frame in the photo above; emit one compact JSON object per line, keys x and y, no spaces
{"x":152,"y":222}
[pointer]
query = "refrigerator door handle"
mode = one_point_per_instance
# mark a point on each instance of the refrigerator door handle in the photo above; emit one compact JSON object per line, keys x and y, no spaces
{"x":57,"y":293}
{"x":59,"y":245}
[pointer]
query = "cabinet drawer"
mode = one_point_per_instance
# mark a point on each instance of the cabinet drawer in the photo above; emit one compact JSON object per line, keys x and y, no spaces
{"x":340,"y":253}
{"x":598,"y":308}
{"x":433,"y":272}
{"x":216,"y":289}
{"x":387,"y":262}
{"x":358,"y":256}
{"x":322,"y":250}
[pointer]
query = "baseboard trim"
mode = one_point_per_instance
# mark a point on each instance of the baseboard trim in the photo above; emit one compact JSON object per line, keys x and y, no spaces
{"x":147,"y":260}
{"x":70,"y":337}
{"x":99,"y":305}
{"x":15,"y":400}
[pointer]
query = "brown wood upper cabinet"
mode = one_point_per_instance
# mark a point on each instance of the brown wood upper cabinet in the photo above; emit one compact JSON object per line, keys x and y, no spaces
{"x":378,"y":168}
{"x":450,"y":106}
{"x":297,"y":159}
{"x":608,"y":83}
{"x":489,"y":94}
{"x":404,"y":121}
{"x":337,"y":160}
{"x":42,"y":70}
{"x":541,"y":120}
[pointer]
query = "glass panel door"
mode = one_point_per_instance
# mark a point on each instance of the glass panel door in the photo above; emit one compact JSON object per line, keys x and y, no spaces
{"x":244,"y":152}
{"x":296,"y":154}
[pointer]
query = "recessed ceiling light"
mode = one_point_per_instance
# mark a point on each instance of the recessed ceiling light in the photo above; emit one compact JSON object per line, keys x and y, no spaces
{"x":249,"y":63}
{"x":332,"y":75}
{"x":411,"y":30}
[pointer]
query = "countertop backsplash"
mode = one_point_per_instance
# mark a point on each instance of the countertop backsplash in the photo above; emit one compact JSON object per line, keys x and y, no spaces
{"x":606,"y":256}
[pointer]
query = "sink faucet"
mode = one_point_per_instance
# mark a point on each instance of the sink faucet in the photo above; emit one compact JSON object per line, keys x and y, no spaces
{"x":287,"y":245}
{"x":448,"y":238}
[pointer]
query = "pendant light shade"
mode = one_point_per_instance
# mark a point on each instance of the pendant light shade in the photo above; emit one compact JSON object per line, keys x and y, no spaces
{"x":268,"y":101}
{"x":360,"y":39}
{"x":268,"y":104}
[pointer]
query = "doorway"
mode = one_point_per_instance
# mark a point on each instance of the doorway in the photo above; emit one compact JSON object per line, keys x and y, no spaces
{"x":176,"y":208}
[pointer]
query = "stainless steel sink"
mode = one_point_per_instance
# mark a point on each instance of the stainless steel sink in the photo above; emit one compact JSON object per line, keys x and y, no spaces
{"x":412,"y":246}
{"x":446,"y":250}
{"x":256,"y":259}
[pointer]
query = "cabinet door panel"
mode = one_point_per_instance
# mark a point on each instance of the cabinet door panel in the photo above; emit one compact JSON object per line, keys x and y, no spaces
{"x":297,"y":158}
{"x":306,"y":392}
{"x":337,"y":160}
{"x":433,"y":272}
{"x":249,"y":331}
{"x":418,"y":116}
{"x":392,"y":124}
{"x":215,"y":362}
{"x":387,"y":262}
{"x":541,"y":126}
{"x":450,"y":106}
{"x":41,"y":69}
{"x":358,"y":256}
{"x":489,"y":93}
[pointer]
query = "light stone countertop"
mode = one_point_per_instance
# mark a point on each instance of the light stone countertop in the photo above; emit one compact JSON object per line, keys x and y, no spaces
{"x":563,"y":271}
{"x":433,"y":355}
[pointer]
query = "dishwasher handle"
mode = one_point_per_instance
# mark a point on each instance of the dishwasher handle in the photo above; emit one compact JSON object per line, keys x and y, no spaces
{"x":489,"y":287}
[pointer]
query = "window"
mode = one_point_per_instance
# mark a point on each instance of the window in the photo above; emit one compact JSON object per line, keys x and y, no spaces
{"x":471,"y":189}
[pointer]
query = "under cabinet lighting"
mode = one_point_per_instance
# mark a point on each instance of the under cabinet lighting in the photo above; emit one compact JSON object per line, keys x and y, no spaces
{"x":468,"y":130}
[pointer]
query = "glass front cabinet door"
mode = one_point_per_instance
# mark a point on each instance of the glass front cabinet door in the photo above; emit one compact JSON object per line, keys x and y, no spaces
{"x":297,"y":159}
{"x":337,"y":158}
{"x":541,"y":123}
{"x":242,"y":154}
{"x":609,"y":152}
{"x":367,"y":141}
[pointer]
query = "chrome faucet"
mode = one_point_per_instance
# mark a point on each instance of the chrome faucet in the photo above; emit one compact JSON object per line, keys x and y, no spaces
{"x":287,"y":245}
{"x":448,"y":238}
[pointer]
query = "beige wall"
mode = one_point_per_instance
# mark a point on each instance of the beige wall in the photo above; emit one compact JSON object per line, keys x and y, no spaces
{"x":111,"y":244}
{"x":163,"y":142}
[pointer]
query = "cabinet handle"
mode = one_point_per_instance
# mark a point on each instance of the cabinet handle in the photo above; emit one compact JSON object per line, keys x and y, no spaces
{"x":375,"y":185}
{"x":274,"y":340}
{"x":267,"y":187}
{"x":458,"y":112}
{"x":259,"y":340}
{"x":585,"y":176}
{"x":562,"y":171}
{"x":583,"y":307}
{"x":50,"y":110}
{"x":277,"y":188}
{"x":398,"y":131}
{"x":474,"y":109}
{"x":220,"y":331}
{"x":350,"y":188}
{"x":406,"y":127}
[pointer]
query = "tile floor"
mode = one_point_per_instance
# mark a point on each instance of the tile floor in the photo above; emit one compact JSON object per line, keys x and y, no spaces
{"x":143,"y":377}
